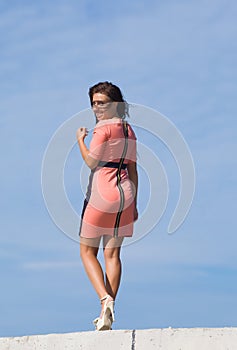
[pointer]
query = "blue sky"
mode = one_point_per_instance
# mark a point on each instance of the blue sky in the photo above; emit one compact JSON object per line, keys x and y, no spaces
{"x":175,"y":57}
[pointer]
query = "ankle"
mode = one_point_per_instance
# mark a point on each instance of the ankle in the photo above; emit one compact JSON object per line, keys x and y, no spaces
{"x":106,"y":298}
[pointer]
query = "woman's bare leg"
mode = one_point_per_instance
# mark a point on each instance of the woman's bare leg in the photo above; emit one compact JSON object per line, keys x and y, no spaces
{"x":113,"y":264}
{"x":89,"y":249}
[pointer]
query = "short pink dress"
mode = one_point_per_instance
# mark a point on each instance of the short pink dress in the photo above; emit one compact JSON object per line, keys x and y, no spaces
{"x":109,"y":204}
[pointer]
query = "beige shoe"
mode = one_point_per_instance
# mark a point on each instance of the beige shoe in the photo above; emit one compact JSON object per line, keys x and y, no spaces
{"x":104,"y":322}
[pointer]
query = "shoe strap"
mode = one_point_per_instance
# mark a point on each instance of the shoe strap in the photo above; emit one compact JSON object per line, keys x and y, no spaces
{"x":106,"y":297}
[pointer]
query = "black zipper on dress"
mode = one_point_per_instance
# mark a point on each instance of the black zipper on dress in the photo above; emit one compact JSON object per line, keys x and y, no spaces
{"x":118,"y":174}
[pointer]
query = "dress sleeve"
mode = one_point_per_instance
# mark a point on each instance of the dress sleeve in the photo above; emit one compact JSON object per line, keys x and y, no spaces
{"x":98,"y":142}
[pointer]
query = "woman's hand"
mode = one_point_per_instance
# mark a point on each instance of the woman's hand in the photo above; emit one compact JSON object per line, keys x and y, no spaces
{"x":81,"y":133}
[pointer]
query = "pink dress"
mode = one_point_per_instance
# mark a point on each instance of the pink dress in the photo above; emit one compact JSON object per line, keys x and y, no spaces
{"x":109,"y":204}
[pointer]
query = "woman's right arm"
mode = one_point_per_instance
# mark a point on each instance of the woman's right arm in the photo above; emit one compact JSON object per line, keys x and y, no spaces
{"x":81,"y":134}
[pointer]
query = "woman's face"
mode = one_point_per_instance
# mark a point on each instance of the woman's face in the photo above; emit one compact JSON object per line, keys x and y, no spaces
{"x":103,"y":107}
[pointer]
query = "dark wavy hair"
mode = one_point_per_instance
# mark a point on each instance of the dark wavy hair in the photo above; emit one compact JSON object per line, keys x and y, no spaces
{"x":114,"y":94}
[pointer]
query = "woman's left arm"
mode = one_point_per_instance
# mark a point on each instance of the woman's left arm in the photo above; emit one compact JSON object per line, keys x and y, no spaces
{"x":132,"y":174}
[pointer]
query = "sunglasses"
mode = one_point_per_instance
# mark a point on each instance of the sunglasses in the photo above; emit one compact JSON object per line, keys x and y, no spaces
{"x":101,"y":104}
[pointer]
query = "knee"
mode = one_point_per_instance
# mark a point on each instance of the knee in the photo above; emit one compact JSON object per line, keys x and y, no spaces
{"x":111,"y":255}
{"x":87,"y":251}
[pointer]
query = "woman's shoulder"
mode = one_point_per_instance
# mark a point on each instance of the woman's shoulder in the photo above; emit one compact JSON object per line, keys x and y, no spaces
{"x":109,"y":125}
{"x":102,"y":128}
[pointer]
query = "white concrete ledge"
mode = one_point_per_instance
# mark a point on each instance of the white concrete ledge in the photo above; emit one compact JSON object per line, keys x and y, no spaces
{"x":146,"y":339}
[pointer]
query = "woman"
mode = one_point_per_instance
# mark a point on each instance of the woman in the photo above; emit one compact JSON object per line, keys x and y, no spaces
{"x":110,"y":207}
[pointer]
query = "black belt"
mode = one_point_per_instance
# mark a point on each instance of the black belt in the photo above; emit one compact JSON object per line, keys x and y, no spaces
{"x":112,"y":165}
